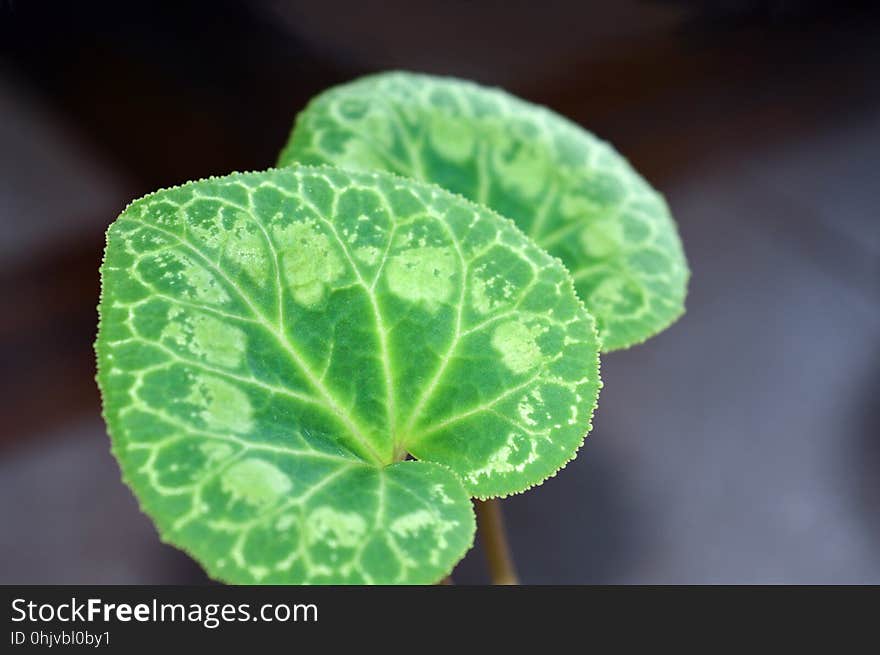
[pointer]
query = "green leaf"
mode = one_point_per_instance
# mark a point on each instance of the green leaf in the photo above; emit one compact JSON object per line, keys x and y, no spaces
{"x":574,"y":194}
{"x":272,"y":345}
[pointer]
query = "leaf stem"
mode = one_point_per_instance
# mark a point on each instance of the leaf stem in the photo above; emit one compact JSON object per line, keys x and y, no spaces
{"x":494,"y":540}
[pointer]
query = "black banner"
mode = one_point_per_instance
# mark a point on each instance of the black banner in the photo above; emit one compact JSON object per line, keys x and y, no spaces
{"x":125,"y":619}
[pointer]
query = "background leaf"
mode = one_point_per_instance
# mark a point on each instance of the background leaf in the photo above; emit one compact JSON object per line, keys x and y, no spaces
{"x":272,"y":344}
{"x":574,"y":194}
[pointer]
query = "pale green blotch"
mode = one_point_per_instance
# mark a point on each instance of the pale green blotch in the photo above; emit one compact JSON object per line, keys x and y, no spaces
{"x":602,"y":238}
{"x":480,"y":298}
{"x":215,"y":452}
{"x":360,"y":115}
{"x":451,"y":137}
{"x":518,"y":345}
{"x":409,"y":525}
{"x":255,"y":482}
{"x":438,"y":491}
{"x":528,"y":405}
{"x":177,"y":331}
{"x":197,"y":283}
{"x":206,"y":337}
{"x":222,"y":405}
{"x":525,"y":171}
{"x":206,"y":228}
{"x":309,"y":261}
{"x":361,"y":156}
{"x":367,"y":254}
{"x":609,"y":294}
{"x":513,"y":457}
{"x":334,"y":528}
{"x":573,"y":206}
{"x":245,"y":246}
{"x":488,"y":294}
{"x":422,"y":275}
{"x":285,"y":522}
{"x":220,"y":342}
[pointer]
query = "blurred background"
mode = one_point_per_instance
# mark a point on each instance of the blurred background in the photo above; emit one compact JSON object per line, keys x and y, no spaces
{"x":740,"y":446}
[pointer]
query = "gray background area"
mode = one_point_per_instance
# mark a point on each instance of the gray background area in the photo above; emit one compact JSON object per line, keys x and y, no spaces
{"x":741,"y":446}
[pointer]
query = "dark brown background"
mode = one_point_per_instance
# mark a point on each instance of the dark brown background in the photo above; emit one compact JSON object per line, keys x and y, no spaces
{"x":743,"y":445}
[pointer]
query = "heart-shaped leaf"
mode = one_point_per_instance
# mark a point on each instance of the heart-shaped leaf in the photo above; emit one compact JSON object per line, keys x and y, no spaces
{"x":273,"y":345}
{"x":574,"y":194}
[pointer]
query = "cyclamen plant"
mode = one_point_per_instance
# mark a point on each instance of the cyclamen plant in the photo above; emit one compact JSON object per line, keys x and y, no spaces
{"x":309,"y":372}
